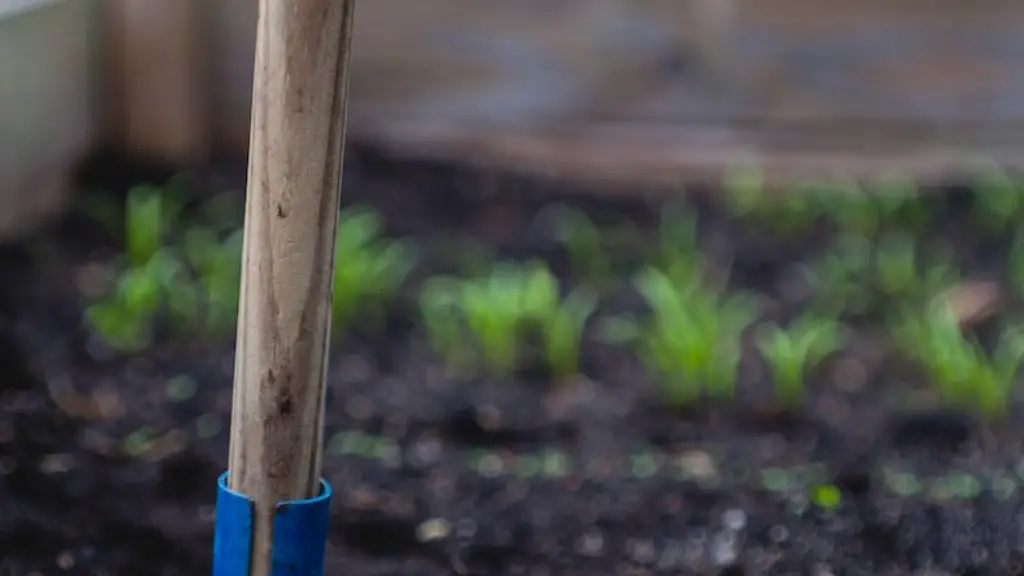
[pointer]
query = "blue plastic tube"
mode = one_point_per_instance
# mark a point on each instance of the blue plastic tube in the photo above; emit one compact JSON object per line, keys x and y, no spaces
{"x":299,"y":539}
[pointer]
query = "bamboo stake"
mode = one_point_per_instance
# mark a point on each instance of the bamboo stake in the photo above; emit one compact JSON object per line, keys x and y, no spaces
{"x":295,"y":158}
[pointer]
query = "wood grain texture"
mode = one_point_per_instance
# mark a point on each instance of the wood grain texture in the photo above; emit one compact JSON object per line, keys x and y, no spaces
{"x":294,"y":179}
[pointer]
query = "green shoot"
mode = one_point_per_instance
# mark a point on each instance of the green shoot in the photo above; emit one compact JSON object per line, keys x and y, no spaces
{"x":792,"y":352}
{"x":124,"y":319}
{"x":149,"y":216}
{"x":842,"y":277}
{"x":899,"y":203}
{"x":1016,"y":263}
{"x":998,"y":200}
{"x":964,"y":375}
{"x":218,"y":266}
{"x":500,"y":311}
{"x":583,"y":242}
{"x":439,"y":300}
{"x":855,"y":211}
{"x":692,"y":342}
{"x":826,"y":496}
{"x":899,"y":275}
{"x":368,"y":270}
{"x":787,"y":214}
{"x":679,"y":254}
{"x":494,"y":310}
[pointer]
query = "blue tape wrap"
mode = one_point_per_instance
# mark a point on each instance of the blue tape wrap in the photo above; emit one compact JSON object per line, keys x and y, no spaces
{"x":300,"y":533}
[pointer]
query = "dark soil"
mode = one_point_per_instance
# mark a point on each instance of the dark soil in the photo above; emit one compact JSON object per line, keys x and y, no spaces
{"x":102,"y":472}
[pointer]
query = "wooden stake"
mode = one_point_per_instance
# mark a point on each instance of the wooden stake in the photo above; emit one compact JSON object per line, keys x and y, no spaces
{"x":291,"y":211}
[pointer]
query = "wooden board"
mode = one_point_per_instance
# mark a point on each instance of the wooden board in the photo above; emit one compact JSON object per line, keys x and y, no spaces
{"x":663,"y":91}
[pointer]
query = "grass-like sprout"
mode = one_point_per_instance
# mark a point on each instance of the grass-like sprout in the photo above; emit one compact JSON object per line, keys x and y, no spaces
{"x":124,"y":318}
{"x":368,"y":269}
{"x":793,"y":351}
{"x":678,"y":251}
{"x":787,"y":214}
{"x":890,"y":201}
{"x":150,"y":216}
{"x":900,"y":203}
{"x":189,"y":282}
{"x":212,"y":302}
{"x":692,"y":340}
{"x":902,"y":274}
{"x":998,"y":200}
{"x":965,"y":376}
{"x":1016,"y":264}
{"x":854,"y":210}
{"x":583,"y":243}
{"x":513,"y":305}
{"x":842,"y":277}
{"x":855,"y":277}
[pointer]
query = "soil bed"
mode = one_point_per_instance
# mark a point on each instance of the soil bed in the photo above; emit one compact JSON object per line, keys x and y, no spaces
{"x":101,"y":472}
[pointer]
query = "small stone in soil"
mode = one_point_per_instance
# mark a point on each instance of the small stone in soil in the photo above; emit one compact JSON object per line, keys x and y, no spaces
{"x":778,"y":533}
{"x":591,"y":544}
{"x":66,"y":560}
{"x":673,"y":557}
{"x":642,"y":551}
{"x":426,"y":452}
{"x":734,"y":519}
{"x":433,"y":529}
{"x":699,"y":465}
{"x":723,"y":550}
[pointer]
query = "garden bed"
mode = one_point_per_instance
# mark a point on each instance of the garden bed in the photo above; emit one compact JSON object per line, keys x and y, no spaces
{"x":874,"y":464}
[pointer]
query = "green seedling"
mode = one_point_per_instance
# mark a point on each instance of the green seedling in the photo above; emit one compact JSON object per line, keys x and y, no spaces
{"x":150,"y":215}
{"x":644,"y":464}
{"x":582,"y":241}
{"x":959,"y":486}
{"x":903,"y":277}
{"x":212,"y":302}
{"x":900,"y":204}
{"x":439,"y":301}
{"x":903,"y":484}
{"x":368,"y":270}
{"x":679,"y":254}
{"x":792,"y":352}
{"x":512,"y":304}
{"x":855,"y":211}
{"x":1016,"y":263}
{"x":826,"y":496}
{"x":853,"y":277}
{"x":140,"y":442}
{"x":964,"y":375}
{"x":777,"y":480}
{"x":842,"y":277}
{"x":999,"y":200}
{"x":124,"y":319}
{"x":181,"y":388}
{"x":555,"y":464}
{"x":896,"y":265}
{"x":692,"y":341}
{"x":787,"y":214}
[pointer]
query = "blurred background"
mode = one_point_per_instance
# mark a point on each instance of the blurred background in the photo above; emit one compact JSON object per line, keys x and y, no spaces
{"x":574,"y":326}
{"x":656,"y":90}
